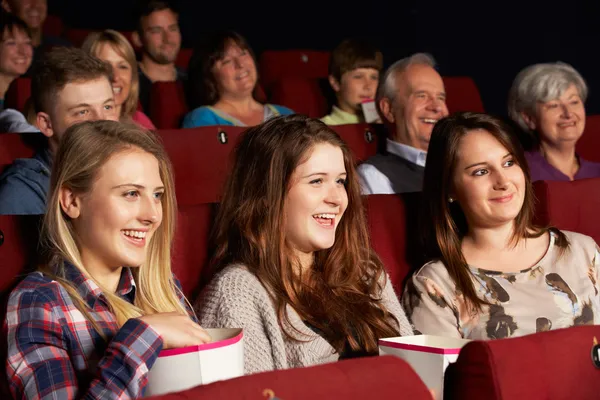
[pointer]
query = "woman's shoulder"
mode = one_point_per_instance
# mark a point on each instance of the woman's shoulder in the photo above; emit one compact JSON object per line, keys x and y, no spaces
{"x":282,"y":110}
{"x":236,"y":280}
{"x":434,"y":269}
{"x":37,"y":289}
{"x":201,"y":116}
{"x":579,"y":240}
{"x":143,"y":120}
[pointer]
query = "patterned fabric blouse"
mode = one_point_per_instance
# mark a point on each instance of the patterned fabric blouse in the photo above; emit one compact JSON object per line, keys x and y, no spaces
{"x":560,"y":291}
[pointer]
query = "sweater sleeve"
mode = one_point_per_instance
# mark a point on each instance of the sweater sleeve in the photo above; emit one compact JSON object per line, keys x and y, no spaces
{"x":392,"y":304}
{"x":236,"y":299}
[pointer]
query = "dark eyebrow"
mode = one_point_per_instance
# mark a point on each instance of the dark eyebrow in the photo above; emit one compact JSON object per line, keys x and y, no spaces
{"x":484,"y":163}
{"x":136,"y":186}
{"x":322,"y":174}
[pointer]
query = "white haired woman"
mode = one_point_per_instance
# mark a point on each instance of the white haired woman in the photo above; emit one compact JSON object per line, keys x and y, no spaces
{"x":547,"y":100}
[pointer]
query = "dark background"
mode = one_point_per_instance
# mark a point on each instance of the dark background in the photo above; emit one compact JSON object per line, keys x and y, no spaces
{"x":487,"y":40}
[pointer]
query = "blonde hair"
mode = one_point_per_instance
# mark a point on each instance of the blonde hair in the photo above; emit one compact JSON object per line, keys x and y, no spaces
{"x":84,"y":149}
{"x":92,"y":44}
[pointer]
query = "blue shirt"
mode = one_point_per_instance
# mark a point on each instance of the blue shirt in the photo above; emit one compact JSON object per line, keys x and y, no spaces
{"x":207,"y":116}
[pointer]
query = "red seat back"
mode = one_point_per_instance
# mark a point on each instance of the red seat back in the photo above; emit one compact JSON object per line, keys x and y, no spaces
{"x":549,"y":365}
{"x":382,"y":378}
{"x":571,"y":206}
{"x":11,"y":148}
{"x":361,"y":138}
{"x":275,"y":65}
{"x":183,"y":58}
{"x":201,"y":160}
{"x":53,"y":26}
{"x":77,"y":36}
{"x":588,"y":145}
{"x":462,"y":94}
{"x":167,"y":104}
{"x":18,"y":93}
{"x":302,"y":95}
{"x":191,"y":245}
{"x":393,"y":224}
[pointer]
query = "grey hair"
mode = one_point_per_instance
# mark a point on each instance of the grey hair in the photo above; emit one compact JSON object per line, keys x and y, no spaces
{"x":540,"y":83}
{"x":387,"y":86}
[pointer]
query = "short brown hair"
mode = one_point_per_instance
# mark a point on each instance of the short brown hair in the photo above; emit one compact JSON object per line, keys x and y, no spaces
{"x":147,"y":7}
{"x":352,"y":54}
{"x":60,"y":66}
{"x":203,"y":89}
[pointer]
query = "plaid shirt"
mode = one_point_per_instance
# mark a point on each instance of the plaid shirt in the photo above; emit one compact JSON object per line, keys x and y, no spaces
{"x":55,"y":353}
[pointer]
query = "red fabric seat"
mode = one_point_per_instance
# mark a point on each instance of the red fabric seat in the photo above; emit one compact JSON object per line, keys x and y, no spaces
{"x":570,"y":206}
{"x":53,"y":26}
{"x":462,"y":94}
{"x":393,"y":224}
{"x":77,"y":36}
{"x":588,"y":145}
{"x":167,"y":104}
{"x":201,"y":160}
{"x":275,"y":65}
{"x":382,"y":378}
{"x":549,"y":365}
{"x":12,"y":147}
{"x":183,"y":58}
{"x":302,"y":95}
{"x":18,"y":93}
{"x":361,"y":138}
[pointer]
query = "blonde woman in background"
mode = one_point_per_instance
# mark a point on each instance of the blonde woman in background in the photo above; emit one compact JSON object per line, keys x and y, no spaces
{"x":91,"y":322}
{"x":112,"y":47}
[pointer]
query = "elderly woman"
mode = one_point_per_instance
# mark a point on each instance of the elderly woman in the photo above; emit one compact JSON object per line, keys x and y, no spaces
{"x":547,"y":100}
{"x":222,"y":81}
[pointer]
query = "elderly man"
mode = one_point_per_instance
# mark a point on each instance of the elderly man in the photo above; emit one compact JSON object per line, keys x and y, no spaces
{"x":410,"y":99}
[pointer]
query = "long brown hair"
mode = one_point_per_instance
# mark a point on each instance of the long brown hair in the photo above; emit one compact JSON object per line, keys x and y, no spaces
{"x":340,"y":295}
{"x":443,"y":223}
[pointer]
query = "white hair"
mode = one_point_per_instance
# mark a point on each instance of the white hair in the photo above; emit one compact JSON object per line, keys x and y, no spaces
{"x":540,"y":83}
{"x":387,"y":86}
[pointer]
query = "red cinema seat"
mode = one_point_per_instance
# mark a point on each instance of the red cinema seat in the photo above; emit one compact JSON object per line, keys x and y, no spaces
{"x":12,"y":147}
{"x":19,"y":238}
{"x":588,"y":145}
{"x":201,"y":160}
{"x":393,"y":227}
{"x":361,"y":138}
{"x":53,"y":26}
{"x":381,"y":378}
{"x":302,"y":95}
{"x":18,"y":93}
{"x":77,"y":36}
{"x":167,"y":104}
{"x":275,"y":65}
{"x":183,"y":58}
{"x":548,"y":365}
{"x":462,"y":94}
{"x":190,"y":246}
{"x":571,"y":206}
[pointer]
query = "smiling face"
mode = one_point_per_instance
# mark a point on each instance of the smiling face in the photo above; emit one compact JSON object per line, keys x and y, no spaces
{"x":116,"y":220}
{"x":122,"y":72}
{"x":419,"y":103}
{"x":487,"y":182}
{"x":161,"y":37}
{"x":16,"y":52}
{"x":316,"y":200}
{"x":235,"y":73}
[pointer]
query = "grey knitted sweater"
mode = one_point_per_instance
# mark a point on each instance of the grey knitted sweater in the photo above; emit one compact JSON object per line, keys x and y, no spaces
{"x":236,"y":299}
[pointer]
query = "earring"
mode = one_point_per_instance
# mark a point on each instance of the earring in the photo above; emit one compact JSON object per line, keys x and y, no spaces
{"x":450,"y":200}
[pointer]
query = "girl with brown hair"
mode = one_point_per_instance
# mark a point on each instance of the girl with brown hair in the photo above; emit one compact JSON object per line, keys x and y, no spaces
{"x":295,"y":269}
{"x":493,"y":274}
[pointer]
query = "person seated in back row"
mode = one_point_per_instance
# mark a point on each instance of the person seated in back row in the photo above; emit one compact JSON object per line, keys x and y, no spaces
{"x":354,"y":69}
{"x":493,"y":273}
{"x":222,"y":79}
{"x":67,"y":86}
{"x":295,"y":267}
{"x":16,"y":51}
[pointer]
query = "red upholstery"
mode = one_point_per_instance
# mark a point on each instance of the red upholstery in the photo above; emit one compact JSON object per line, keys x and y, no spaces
{"x":167,"y":104}
{"x":589,"y":144}
{"x":18,"y":93}
{"x":276,"y":65}
{"x":19,"y":235}
{"x":361,"y":138}
{"x":190,"y":246}
{"x":462,"y":94}
{"x":201,"y":162}
{"x":570,"y":206}
{"x":77,"y":36}
{"x":183,"y":58}
{"x":381,"y":378}
{"x":53,"y":26}
{"x":11,"y":148}
{"x":548,"y":365}
{"x":303,"y":95}
{"x":393,"y":226}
